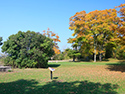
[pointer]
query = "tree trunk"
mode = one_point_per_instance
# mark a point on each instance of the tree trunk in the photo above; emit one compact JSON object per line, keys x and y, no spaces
{"x":95,"y":45}
{"x":101,"y":52}
{"x":74,"y":58}
{"x":94,"y":54}
{"x":100,"y":56}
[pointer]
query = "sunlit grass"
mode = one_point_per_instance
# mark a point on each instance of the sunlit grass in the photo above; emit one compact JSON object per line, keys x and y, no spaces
{"x":85,"y":77}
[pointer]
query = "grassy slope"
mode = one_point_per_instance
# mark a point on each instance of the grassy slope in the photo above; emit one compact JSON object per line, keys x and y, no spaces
{"x":68,"y":78}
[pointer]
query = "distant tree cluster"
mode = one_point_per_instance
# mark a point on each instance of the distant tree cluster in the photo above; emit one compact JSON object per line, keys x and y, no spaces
{"x":67,"y":54}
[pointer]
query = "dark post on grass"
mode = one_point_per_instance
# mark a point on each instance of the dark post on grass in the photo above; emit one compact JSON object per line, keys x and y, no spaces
{"x":51,"y":72}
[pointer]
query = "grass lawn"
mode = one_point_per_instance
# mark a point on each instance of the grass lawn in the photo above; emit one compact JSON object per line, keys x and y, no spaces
{"x":68,"y":78}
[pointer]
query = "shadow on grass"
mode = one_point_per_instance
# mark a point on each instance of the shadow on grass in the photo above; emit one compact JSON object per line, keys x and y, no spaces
{"x":18,"y":87}
{"x":89,"y":60}
{"x":80,"y":61}
{"x":57,"y":87}
{"x":53,"y":65}
{"x":55,"y":78}
{"x":105,"y":59}
{"x":120,"y":66}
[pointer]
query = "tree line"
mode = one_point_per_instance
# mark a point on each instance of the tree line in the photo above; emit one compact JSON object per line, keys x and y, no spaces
{"x":100,"y":32}
{"x":97,"y":35}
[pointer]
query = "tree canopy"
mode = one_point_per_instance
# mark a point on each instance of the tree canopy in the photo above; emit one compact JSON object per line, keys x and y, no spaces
{"x":28,"y":49}
{"x":93,"y":31}
{"x":121,"y":31}
{"x":55,"y":39}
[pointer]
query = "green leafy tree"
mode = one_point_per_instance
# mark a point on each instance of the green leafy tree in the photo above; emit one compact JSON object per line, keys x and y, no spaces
{"x":28,"y":49}
{"x":1,"y":41}
{"x":73,"y":53}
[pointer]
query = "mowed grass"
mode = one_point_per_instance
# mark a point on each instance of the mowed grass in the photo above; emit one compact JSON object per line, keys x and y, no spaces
{"x":68,"y":78}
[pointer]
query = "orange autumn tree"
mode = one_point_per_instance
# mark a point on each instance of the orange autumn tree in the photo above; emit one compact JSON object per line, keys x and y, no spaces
{"x":55,"y":39}
{"x":95,"y":28}
{"x":118,"y":41}
{"x":121,"y":31}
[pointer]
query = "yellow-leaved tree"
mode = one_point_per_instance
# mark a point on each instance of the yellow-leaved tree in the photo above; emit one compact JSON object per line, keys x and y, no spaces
{"x":95,"y":29}
{"x":121,"y":31}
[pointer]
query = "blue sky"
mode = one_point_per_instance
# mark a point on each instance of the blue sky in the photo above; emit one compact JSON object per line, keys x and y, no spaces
{"x":38,"y":15}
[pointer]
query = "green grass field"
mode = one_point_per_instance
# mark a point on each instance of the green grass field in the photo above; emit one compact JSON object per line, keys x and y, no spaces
{"x":68,"y":78}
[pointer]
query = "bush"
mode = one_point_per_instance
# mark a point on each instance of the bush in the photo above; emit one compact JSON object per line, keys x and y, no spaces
{"x":28,"y":49}
{"x":9,"y":70}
